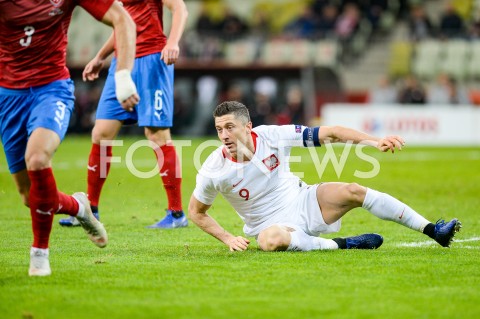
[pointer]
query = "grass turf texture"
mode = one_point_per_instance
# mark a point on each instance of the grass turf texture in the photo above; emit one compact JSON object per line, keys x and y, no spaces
{"x":184,"y":273}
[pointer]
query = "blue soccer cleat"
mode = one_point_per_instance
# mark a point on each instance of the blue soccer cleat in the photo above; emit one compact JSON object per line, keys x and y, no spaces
{"x":444,"y":232}
{"x":365,"y":241}
{"x":171,"y":222}
{"x":72,"y":221}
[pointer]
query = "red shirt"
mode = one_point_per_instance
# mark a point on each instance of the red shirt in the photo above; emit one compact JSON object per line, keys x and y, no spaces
{"x":33,"y":39}
{"x":148,"y":16}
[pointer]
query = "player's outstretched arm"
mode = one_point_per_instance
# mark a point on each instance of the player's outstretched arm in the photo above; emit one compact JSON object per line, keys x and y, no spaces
{"x":334,"y":134}
{"x":171,"y":51}
{"x":93,"y":68}
{"x":125,"y":37}
{"x":197,"y":211}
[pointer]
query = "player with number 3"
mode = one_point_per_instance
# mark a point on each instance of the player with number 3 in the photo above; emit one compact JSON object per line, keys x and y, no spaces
{"x":36,"y":101}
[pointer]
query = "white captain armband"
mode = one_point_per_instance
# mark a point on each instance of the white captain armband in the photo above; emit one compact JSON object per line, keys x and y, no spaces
{"x":310,"y":137}
{"x":124,"y":85}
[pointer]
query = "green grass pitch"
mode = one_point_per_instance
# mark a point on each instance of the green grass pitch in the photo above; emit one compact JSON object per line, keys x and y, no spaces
{"x":184,"y":273}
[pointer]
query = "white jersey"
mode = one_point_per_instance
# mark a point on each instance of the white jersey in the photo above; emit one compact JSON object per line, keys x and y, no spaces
{"x":263,"y":189}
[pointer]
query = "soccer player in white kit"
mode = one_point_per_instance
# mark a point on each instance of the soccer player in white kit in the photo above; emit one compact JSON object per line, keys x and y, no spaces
{"x":251,"y":170}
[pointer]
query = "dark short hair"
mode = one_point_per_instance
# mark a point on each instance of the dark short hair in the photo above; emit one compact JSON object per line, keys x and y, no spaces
{"x":236,"y":108}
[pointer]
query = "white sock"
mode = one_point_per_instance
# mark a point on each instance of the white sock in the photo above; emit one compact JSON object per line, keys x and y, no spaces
{"x":34,"y":251}
{"x":303,"y":242}
{"x":387,"y":207}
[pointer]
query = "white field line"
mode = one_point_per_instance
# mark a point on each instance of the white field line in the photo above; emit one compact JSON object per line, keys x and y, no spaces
{"x":431,"y":243}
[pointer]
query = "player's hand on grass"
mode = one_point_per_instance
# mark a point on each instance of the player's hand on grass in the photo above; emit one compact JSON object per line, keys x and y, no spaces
{"x":92,"y":69}
{"x":390,"y":143}
{"x":237,"y":243}
{"x":170,"y":53}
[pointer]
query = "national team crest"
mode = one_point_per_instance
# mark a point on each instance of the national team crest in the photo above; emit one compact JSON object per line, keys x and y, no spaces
{"x":271,"y":162}
{"x":56,"y":3}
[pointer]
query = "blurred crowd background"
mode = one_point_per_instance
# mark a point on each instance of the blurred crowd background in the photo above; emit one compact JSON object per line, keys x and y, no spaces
{"x":286,"y":58}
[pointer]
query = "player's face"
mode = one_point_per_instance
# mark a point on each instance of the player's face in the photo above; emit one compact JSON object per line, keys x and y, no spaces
{"x":233,"y":133}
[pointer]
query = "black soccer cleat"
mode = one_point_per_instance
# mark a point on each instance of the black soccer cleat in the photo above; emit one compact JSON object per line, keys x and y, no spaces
{"x":444,"y":232}
{"x":365,"y":241}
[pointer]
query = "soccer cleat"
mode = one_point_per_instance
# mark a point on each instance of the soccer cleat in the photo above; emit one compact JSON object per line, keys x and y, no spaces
{"x":39,"y":264}
{"x":171,"y":222}
{"x":444,"y":232}
{"x":365,"y":241}
{"x":72,"y":221}
{"x":94,"y":229}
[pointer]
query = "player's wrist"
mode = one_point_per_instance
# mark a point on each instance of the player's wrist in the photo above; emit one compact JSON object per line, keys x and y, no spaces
{"x":124,"y":85}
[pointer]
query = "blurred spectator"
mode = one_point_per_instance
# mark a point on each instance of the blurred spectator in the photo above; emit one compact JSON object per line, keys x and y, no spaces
{"x":446,"y":91}
{"x":327,"y":21}
{"x":419,"y":24}
{"x":374,"y":10}
{"x":318,"y":6}
{"x":384,"y":93}
{"x":260,"y":30}
{"x":86,"y":99}
{"x":236,"y":92}
{"x":347,"y":22}
{"x":412,"y":91}
{"x":205,"y":26}
{"x":263,"y":112}
{"x":346,"y":26}
{"x":451,"y":23}
{"x":205,"y":45}
{"x":260,"y":24}
{"x":293,"y":113}
{"x":304,"y":26}
{"x":474,"y":29}
{"x":182,"y":114}
{"x":232,"y":27}
{"x":265,"y":89}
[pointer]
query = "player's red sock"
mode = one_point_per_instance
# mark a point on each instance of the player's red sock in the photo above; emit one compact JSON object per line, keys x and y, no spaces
{"x":171,"y":175}
{"x":67,"y":204}
{"x":43,"y":201}
{"x":98,"y":168}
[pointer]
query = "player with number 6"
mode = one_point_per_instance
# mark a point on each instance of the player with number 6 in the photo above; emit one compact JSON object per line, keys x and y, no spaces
{"x":153,"y":75}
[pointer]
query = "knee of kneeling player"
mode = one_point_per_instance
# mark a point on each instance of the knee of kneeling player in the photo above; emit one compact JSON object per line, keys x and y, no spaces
{"x":273,"y":238}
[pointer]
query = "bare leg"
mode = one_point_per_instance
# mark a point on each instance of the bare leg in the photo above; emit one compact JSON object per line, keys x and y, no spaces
{"x":336,"y":199}
{"x":23,"y":185}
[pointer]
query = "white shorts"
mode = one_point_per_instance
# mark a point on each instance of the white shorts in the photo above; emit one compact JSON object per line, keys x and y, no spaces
{"x":305,"y":214}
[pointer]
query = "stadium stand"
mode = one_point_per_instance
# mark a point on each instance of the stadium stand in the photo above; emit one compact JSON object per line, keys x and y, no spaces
{"x":426,"y":62}
{"x":266,"y":47}
{"x":455,"y":59}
